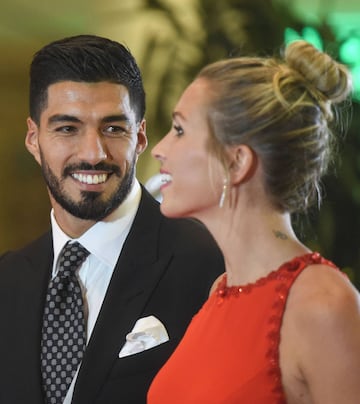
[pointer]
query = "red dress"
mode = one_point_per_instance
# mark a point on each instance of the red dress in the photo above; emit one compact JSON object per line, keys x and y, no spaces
{"x":230,"y":351}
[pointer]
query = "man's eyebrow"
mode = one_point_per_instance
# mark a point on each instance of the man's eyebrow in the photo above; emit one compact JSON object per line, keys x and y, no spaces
{"x":70,"y":118}
{"x":63,"y":118}
{"x":116,"y":118}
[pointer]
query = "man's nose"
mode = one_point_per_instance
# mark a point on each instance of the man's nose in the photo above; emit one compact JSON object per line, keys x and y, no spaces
{"x":92,"y":148}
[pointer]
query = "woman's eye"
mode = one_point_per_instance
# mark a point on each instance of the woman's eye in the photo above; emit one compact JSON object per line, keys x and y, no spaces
{"x":179,"y":130}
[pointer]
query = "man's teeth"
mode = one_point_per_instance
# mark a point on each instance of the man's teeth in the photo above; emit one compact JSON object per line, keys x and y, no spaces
{"x":165,"y":178}
{"x":90,"y":179}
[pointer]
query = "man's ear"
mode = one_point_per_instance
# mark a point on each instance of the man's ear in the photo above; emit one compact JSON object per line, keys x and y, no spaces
{"x":32,"y":139}
{"x":243,"y":163}
{"x":142,"y":140}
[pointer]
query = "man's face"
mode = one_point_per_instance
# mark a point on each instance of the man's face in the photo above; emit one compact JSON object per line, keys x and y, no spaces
{"x":87,"y":144}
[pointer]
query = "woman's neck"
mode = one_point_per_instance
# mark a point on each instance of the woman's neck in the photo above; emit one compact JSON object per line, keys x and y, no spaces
{"x":253,"y":243}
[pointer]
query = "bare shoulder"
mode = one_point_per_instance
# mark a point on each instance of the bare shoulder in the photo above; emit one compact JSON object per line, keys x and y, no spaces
{"x":322,"y":329}
{"x":323,"y":302}
{"x":323,"y":293}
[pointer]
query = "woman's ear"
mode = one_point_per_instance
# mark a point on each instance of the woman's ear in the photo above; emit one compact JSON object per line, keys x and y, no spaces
{"x":32,"y":140}
{"x":243,"y":163}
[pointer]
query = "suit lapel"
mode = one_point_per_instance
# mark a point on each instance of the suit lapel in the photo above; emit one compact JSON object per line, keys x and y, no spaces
{"x":135,"y":276}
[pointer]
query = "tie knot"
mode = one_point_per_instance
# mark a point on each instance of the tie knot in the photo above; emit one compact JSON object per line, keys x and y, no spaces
{"x":72,"y":256}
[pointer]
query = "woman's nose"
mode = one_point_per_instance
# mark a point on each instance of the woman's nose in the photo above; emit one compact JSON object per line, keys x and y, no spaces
{"x":158,"y":150}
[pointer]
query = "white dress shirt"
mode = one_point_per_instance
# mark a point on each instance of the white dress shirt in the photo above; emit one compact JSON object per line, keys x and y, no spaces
{"x":104,"y":240}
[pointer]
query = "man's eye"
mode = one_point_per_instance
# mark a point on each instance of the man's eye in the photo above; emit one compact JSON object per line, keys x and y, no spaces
{"x":179,"y":130}
{"x":66,"y":129}
{"x":115,"y":130}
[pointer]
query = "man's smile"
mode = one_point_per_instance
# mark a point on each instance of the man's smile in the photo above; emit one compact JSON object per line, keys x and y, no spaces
{"x":90,"y":178}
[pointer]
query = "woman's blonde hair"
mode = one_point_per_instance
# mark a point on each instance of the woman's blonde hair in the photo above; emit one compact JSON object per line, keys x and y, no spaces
{"x":286,"y":111}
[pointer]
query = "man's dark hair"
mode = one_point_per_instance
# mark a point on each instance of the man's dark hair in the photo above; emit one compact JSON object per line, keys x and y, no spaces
{"x":84,"y":58}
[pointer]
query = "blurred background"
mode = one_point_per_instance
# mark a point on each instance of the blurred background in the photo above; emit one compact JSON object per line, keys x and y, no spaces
{"x":171,"y":40}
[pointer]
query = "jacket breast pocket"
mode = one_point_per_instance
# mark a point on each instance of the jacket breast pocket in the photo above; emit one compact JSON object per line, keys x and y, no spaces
{"x":150,"y":360}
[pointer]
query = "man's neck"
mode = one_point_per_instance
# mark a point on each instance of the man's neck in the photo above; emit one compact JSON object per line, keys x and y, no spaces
{"x":72,"y":226}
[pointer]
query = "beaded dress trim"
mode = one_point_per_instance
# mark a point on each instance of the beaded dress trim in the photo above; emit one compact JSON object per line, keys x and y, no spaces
{"x":284,"y":277}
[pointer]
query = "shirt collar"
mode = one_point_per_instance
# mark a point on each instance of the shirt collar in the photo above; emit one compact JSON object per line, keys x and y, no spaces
{"x":105,"y":238}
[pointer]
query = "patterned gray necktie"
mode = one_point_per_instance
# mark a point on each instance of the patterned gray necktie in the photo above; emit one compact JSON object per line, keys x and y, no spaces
{"x":64,"y":332}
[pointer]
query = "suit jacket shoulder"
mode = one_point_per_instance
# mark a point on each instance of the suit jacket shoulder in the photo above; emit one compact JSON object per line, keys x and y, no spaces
{"x":24,"y":277}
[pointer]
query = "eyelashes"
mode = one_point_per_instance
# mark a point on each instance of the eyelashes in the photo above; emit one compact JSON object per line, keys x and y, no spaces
{"x":178,"y":129}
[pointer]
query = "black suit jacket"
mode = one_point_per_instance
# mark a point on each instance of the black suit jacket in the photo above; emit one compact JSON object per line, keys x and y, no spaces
{"x":165,"y":269}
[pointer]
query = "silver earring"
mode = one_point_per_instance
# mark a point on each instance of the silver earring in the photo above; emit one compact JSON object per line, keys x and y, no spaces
{"x":223,"y":194}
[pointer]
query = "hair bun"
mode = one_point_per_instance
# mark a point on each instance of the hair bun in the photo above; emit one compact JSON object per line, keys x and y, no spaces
{"x":329,"y":77}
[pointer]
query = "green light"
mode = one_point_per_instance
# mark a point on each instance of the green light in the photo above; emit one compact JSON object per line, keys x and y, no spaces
{"x":355,"y":73}
{"x":349,"y":51}
{"x":309,"y":34}
{"x":290,"y":35}
{"x":312,"y":36}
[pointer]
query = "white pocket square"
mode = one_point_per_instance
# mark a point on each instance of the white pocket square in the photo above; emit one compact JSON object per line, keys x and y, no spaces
{"x":147,"y":333}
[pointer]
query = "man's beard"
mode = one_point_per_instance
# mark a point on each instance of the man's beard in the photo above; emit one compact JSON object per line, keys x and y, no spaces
{"x":91,"y":206}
